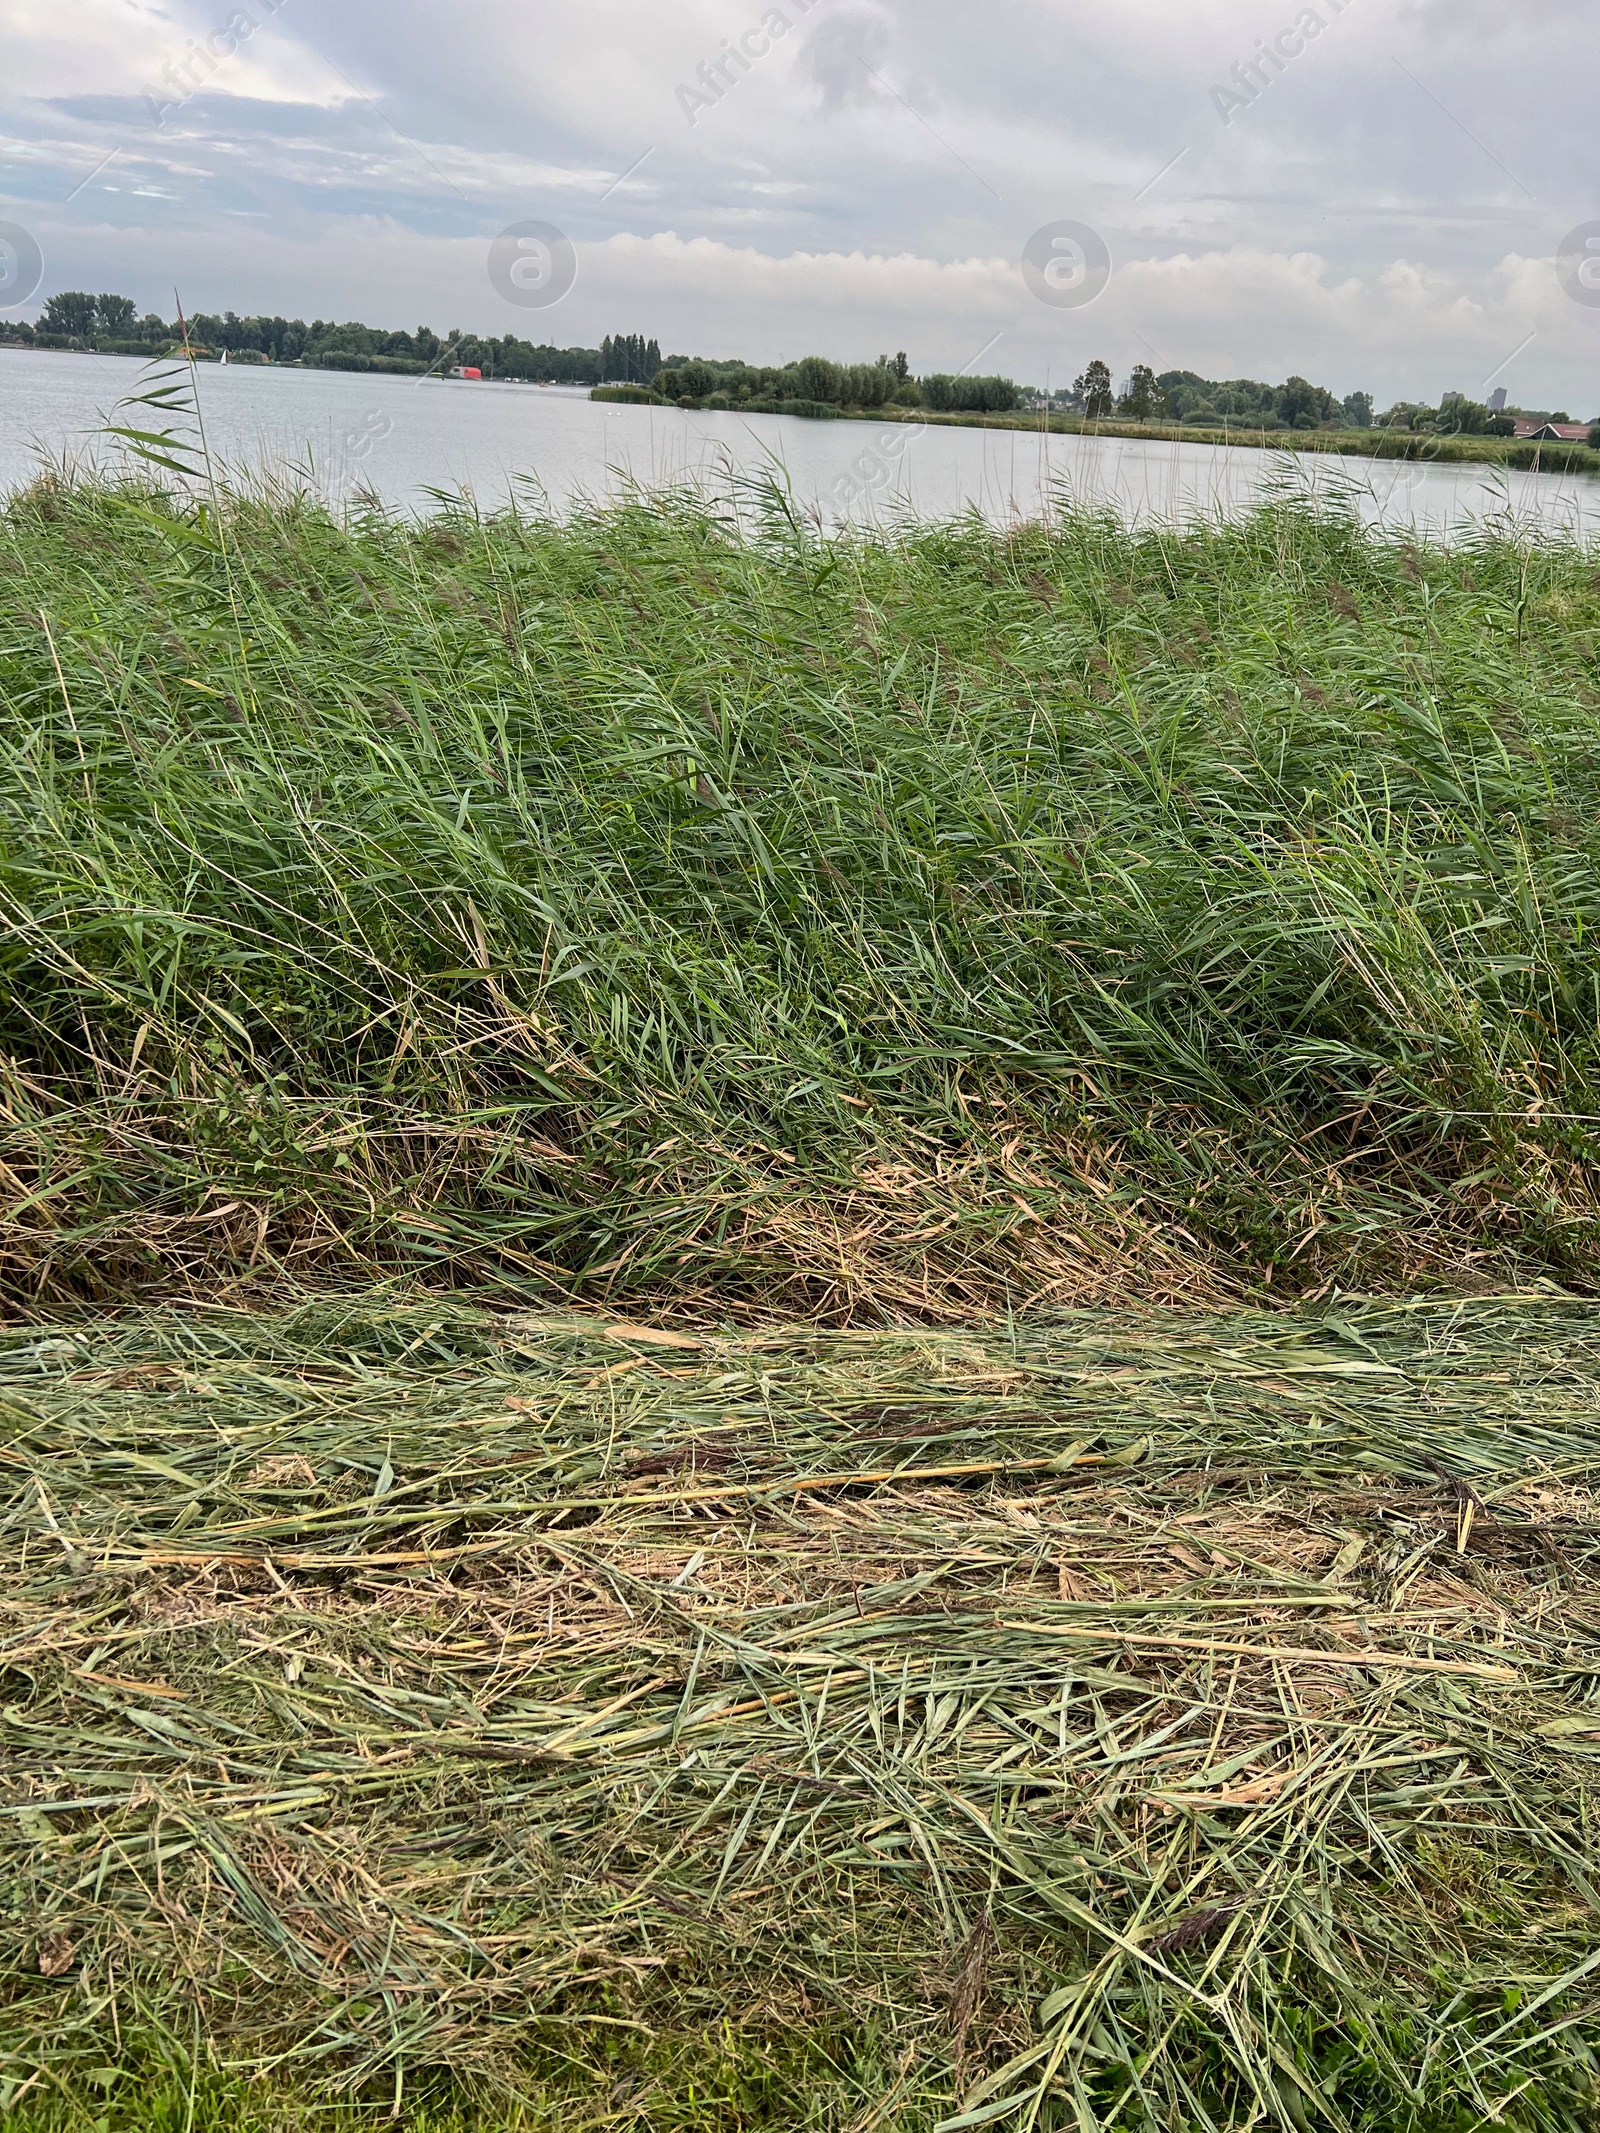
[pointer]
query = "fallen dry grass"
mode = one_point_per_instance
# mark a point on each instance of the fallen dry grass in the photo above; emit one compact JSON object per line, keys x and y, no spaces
{"x":1164,"y":1720}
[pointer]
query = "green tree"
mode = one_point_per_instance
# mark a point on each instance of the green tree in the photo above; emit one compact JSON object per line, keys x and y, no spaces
{"x":73,"y":311}
{"x":1300,"y":405}
{"x":815,"y":378}
{"x":115,"y":316}
{"x":1187,"y":394}
{"x":1460,"y":417}
{"x":628,"y":358}
{"x":1142,"y":399}
{"x":988,"y":395}
{"x":1092,"y":390}
{"x":1357,"y":410}
{"x":867,"y":384}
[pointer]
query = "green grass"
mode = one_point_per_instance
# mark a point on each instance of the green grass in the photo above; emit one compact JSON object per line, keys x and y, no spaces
{"x":1156,"y":1721}
{"x":957,"y":1708}
{"x":936,"y":922}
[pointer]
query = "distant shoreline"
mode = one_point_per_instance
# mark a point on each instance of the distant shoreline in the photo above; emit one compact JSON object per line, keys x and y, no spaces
{"x":1521,"y":455}
{"x":303,"y":370}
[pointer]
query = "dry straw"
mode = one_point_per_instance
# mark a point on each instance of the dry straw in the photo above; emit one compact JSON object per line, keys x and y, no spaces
{"x":1170,"y":1722}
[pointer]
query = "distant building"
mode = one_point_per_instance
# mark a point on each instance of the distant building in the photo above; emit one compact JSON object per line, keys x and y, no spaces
{"x":1551,"y":432}
{"x":1497,"y":400}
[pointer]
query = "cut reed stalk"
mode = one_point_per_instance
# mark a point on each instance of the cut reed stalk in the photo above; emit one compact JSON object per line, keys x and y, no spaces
{"x":503,"y":1774}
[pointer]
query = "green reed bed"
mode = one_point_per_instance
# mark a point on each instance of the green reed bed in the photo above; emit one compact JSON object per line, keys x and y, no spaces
{"x":1148,"y":1720}
{"x":920,"y":923}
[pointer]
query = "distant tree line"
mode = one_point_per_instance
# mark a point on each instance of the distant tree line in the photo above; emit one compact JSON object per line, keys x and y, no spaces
{"x":75,"y":318}
{"x":629,"y":359}
{"x":702,"y":380}
{"x":1296,"y":404}
{"x":1183,"y":396}
{"x":816,"y":381}
{"x":1455,"y":416}
{"x":960,"y":393}
{"x":78,"y":319}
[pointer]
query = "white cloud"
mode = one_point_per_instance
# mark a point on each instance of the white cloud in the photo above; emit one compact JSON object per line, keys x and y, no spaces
{"x":1239,"y":311}
{"x":63,"y":49}
{"x":1402,"y":329}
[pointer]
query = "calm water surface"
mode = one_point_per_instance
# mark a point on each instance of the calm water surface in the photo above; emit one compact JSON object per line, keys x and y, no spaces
{"x":404,"y":441}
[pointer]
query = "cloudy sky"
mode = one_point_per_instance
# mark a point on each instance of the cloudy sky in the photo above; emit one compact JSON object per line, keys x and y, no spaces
{"x":1381,"y":205}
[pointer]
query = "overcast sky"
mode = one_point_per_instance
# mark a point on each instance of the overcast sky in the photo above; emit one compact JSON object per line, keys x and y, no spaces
{"x":1381,"y":207}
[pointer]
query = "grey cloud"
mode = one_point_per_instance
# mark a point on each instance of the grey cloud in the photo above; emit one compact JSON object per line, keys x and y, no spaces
{"x":843,"y":57}
{"x":854,"y":61}
{"x":1466,"y":21}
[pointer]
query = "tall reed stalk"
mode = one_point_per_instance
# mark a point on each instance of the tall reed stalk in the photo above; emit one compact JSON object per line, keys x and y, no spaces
{"x":678,"y":901}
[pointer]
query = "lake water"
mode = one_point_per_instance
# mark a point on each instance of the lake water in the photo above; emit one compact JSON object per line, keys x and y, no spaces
{"x":405,"y":440}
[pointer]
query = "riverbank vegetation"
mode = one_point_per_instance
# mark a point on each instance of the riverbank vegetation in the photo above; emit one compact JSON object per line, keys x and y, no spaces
{"x":1178,"y":406}
{"x":944,"y":920}
{"x":573,"y":1560}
